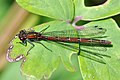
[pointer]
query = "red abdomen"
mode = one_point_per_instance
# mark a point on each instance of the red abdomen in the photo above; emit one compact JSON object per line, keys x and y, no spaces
{"x":76,"y":40}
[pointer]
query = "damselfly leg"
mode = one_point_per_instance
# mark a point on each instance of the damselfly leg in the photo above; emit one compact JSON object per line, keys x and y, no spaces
{"x":79,"y":48}
{"x":43,"y":45}
{"x":42,"y":31}
{"x":25,"y":44}
{"x":30,"y":47}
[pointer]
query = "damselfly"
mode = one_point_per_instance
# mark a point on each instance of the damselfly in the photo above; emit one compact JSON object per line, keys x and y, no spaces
{"x":88,"y":37}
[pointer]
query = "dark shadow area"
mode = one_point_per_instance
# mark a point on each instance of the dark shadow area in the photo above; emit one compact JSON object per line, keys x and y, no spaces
{"x":44,"y":19}
{"x":81,"y":22}
{"x":89,"y":3}
{"x":117,"y":19}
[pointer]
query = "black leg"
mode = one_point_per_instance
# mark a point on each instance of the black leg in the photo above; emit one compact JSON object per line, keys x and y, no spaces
{"x":30,"y":47}
{"x":79,"y":47}
{"x":42,"y":31}
{"x":23,"y":43}
{"x":78,"y":43}
{"x":43,"y":45}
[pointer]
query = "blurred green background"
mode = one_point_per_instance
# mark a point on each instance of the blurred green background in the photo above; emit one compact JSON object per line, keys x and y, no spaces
{"x":12,"y":19}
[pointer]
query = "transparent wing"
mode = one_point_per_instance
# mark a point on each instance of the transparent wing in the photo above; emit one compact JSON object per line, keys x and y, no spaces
{"x":95,"y":48}
{"x":93,"y":53}
{"x":87,"y":32}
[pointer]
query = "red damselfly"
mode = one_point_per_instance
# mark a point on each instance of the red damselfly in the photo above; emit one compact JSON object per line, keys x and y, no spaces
{"x":88,"y":37}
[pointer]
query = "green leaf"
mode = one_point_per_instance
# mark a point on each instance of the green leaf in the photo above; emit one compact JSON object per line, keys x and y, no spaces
{"x":97,"y":12}
{"x":41,"y":62}
{"x":92,"y":70}
{"x":62,"y":74}
{"x":57,"y":9}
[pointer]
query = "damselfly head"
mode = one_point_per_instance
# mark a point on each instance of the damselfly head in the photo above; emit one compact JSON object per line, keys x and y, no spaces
{"x":22,"y":35}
